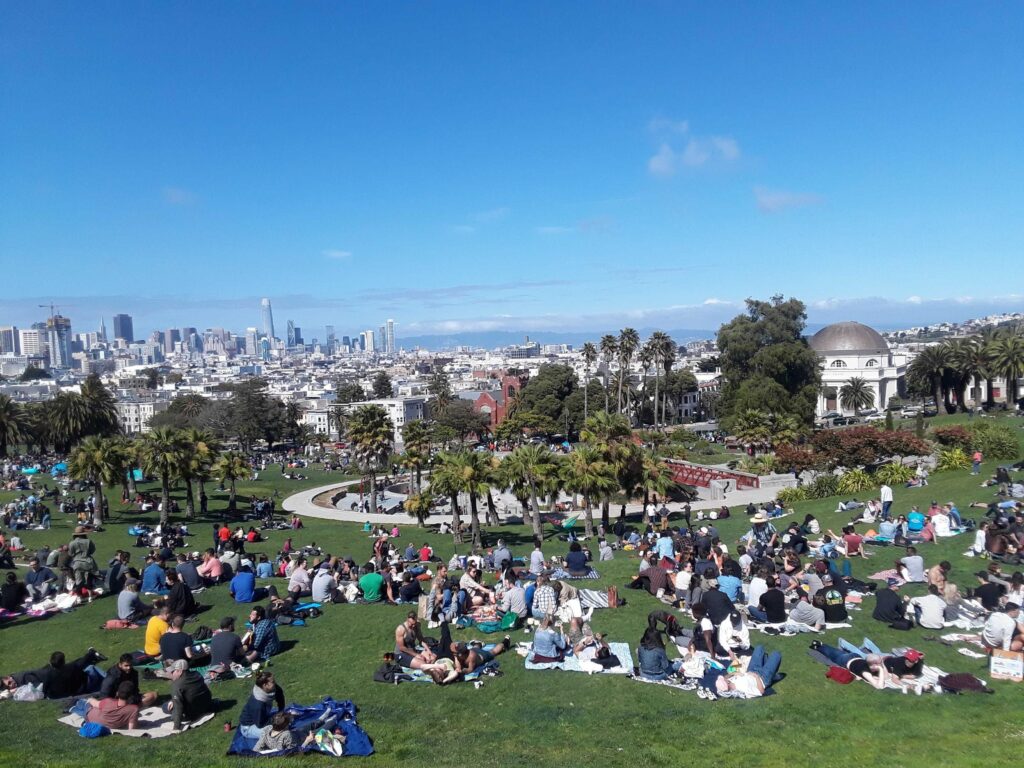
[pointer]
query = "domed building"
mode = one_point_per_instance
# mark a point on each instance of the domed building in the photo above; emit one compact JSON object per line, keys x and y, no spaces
{"x":851,"y":350}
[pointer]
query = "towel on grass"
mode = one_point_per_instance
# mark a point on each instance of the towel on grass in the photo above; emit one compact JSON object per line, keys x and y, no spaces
{"x":304,"y":719}
{"x":584,"y":663}
{"x":561,"y":573}
{"x":154,"y":723}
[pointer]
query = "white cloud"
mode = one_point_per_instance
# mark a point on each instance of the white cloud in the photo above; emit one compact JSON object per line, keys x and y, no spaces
{"x":777,"y":200}
{"x":693,"y":152}
{"x":337,"y":255}
{"x":914,"y":300}
{"x":177,"y":196}
{"x":711,"y":302}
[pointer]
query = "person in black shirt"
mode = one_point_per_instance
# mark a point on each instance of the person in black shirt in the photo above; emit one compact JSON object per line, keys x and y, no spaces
{"x":411,"y":589}
{"x":717,"y":603}
{"x":190,"y":698}
{"x":908,"y":666}
{"x":225,"y":646}
{"x":124,"y":672}
{"x":889,"y":605}
{"x":771,"y":606}
{"x":13,"y":594}
{"x":179,"y":597}
{"x":989,"y":593}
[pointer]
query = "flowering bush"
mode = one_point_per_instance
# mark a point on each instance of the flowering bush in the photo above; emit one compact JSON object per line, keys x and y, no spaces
{"x":952,"y":437}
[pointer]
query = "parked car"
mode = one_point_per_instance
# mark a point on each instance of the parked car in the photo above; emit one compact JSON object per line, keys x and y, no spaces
{"x":831,"y":415}
{"x":875,"y":417}
{"x":909,"y":412}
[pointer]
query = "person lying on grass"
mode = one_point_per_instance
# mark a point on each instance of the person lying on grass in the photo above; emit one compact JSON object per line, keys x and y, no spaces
{"x":61,"y":678}
{"x":868,"y":668}
{"x":762,"y":671}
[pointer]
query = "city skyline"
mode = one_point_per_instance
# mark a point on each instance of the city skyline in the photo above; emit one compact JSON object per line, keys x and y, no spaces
{"x":655,"y":168}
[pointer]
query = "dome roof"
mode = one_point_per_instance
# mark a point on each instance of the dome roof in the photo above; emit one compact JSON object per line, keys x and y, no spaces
{"x":848,"y":337}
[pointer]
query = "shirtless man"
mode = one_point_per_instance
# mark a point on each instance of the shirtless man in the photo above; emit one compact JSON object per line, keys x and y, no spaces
{"x":467,"y":658}
{"x":408,"y":636}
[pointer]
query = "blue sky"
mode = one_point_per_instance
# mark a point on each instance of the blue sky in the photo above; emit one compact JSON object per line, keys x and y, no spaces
{"x":518,"y":166}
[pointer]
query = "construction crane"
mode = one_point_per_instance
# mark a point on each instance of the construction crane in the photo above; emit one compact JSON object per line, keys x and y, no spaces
{"x":52,"y":307}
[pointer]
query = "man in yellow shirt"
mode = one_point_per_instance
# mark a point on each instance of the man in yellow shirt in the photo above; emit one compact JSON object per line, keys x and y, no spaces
{"x":156,"y":627}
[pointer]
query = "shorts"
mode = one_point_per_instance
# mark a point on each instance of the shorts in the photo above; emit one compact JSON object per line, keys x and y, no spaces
{"x":485,"y":656}
{"x":405,"y":659}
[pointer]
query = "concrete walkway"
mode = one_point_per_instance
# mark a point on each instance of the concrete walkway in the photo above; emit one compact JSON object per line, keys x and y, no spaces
{"x":302,"y":504}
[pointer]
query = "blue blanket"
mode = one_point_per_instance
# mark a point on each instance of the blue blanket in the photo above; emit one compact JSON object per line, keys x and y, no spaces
{"x":357,"y":742}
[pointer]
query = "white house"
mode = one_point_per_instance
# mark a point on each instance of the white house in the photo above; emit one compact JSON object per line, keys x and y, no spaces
{"x":853,"y":350}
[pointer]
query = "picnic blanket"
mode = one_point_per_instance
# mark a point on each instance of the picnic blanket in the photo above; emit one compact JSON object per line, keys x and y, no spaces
{"x":592,"y":598}
{"x":561,"y":573}
{"x":305,"y":719}
{"x":889,"y":573}
{"x":154,"y":723}
{"x":794,"y":627}
{"x":584,"y":663}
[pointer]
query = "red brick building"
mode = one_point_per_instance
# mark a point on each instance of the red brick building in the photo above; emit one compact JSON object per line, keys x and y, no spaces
{"x":494,"y":402}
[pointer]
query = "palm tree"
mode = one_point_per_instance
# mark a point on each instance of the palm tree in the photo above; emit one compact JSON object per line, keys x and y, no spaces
{"x":68,"y":417}
{"x":191,"y":405}
{"x":201,"y":450}
{"x":444,"y":481}
{"x":930,"y":365}
{"x":231,"y":467}
{"x":1008,"y":357}
{"x":372,"y":436}
{"x":586,"y":472}
{"x":974,"y":364}
{"x":416,"y":440}
{"x":12,"y":424}
{"x":589,"y":358}
{"x":786,"y":429}
{"x":856,"y":395}
{"x":472,"y":473}
{"x":987,"y":339}
{"x":655,"y":476}
{"x":609,"y":351}
{"x":161,"y":451}
{"x":125,"y":455}
{"x":629,"y":341}
{"x":100,"y":406}
{"x":527,"y":467}
{"x":960,"y":353}
{"x":94,"y":461}
{"x":753,"y":429}
{"x":647,"y":357}
{"x":609,"y":434}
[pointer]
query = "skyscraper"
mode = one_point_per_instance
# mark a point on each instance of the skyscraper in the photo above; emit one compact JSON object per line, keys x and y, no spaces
{"x":268,"y":318}
{"x":58,"y":335}
{"x":32,"y":341}
{"x":368,"y":346}
{"x":299,"y":342}
{"x":382,"y":343}
{"x":171,"y":337}
{"x":290,"y":339}
{"x":389,"y":345}
{"x":250,"y":341}
{"x":123,"y":328}
{"x":10,"y":343}
{"x":101,"y":335}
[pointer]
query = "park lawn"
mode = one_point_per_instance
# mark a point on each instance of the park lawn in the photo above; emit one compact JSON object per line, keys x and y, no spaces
{"x":542,"y":718}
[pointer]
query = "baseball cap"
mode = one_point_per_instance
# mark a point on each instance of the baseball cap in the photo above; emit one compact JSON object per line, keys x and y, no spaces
{"x":179,"y":665}
{"x":892,"y":582}
{"x":912,"y":655}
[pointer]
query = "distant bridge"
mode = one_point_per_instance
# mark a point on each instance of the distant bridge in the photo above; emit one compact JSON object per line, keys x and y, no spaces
{"x":701,"y":475}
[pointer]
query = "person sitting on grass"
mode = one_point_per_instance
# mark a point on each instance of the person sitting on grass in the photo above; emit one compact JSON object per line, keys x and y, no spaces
{"x":261,"y":642}
{"x":256,"y":714}
{"x":576,"y":560}
{"x":869,"y":669}
{"x":40,"y":581}
{"x":549,"y":644}
{"x":157,"y":625}
{"x":278,"y":735}
{"x":411,"y":649}
{"x":805,"y":613}
{"x":1003,"y":630}
{"x":654,"y":663}
{"x":372,"y":586}
{"x":179,"y":596}
{"x":13,"y":594}
{"x":190,"y":697}
{"x":121,"y":673}
{"x":119,"y":711}
{"x":477,"y":592}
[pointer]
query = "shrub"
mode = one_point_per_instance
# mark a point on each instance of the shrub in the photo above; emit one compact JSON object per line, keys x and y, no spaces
{"x":823,"y":487}
{"x":952,"y":437}
{"x":791,"y":495}
{"x":996,"y":441}
{"x":894,"y":473}
{"x":854,"y":481}
{"x":953,"y":458}
{"x":861,"y":446}
{"x":762,"y":465}
{"x":792,"y":458}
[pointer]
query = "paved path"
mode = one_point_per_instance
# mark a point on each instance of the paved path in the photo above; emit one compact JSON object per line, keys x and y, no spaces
{"x":302,"y":504}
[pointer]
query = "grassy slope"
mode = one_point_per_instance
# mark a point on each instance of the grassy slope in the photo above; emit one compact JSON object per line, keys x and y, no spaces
{"x":546,"y":718}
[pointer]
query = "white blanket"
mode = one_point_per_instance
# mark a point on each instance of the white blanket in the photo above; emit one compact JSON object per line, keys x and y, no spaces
{"x":154,"y":723}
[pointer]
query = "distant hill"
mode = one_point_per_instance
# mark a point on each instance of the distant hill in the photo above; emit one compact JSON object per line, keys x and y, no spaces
{"x":493,"y":339}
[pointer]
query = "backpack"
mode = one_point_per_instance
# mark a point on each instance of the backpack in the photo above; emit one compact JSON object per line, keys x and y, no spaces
{"x":202,"y":632}
{"x":963,"y":682}
{"x":841,"y":675}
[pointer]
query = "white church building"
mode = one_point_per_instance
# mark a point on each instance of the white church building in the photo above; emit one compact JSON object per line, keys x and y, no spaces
{"x":851,"y":350}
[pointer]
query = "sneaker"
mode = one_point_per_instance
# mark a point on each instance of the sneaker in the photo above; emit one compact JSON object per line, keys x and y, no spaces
{"x":815,"y":645}
{"x":97,"y":655}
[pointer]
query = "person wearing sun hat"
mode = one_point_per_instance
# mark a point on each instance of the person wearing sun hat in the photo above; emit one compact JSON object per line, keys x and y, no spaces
{"x":762,"y":537}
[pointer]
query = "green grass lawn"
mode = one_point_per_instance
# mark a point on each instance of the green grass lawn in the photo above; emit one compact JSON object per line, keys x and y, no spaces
{"x":540,"y":718}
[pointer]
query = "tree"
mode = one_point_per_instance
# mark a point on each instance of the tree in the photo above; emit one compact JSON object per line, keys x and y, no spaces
{"x":930,"y":366}
{"x":767,"y":364}
{"x":856,"y":395}
{"x":654,"y":476}
{"x":753,"y":429}
{"x":445,"y":481}
{"x":609,"y":351}
{"x":473,"y":472}
{"x":1008,"y":358}
{"x":201,"y":449}
{"x":974,"y":363}
{"x":460,"y":417}
{"x":12,"y":424}
{"x":440,"y":391}
{"x":526,"y":468}
{"x":93,"y":461}
{"x":586,"y":472}
{"x":372,"y":435}
{"x":31,"y":373}
{"x":416,"y":442}
{"x":629,"y":341}
{"x":382,"y":388}
{"x":350,"y":392}
{"x":610,"y":434}
{"x":229,"y":468}
{"x":101,"y":408}
{"x":68,"y":417}
{"x":664,"y":357}
{"x":589,"y":358}
{"x":418,"y":505}
{"x":958,"y":374}
{"x":161,"y":451}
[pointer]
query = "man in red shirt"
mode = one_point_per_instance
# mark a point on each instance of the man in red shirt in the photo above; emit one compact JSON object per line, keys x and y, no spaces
{"x":117,"y":713}
{"x":854,"y":542}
